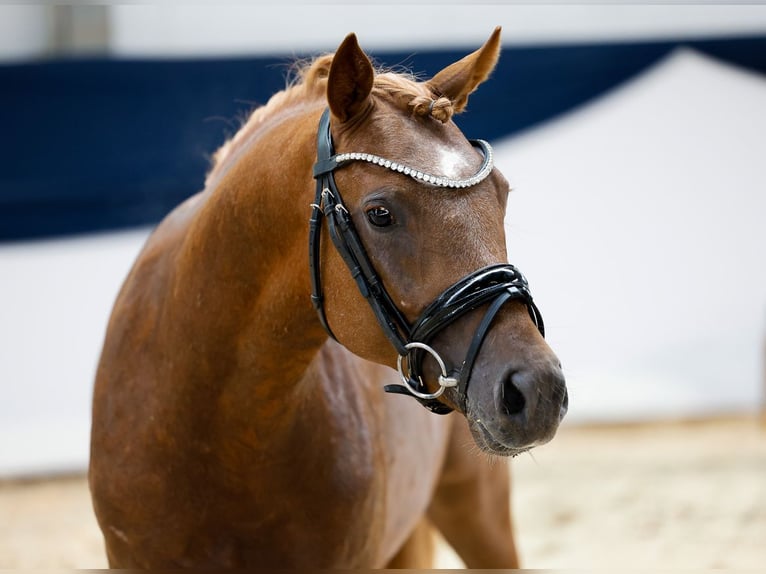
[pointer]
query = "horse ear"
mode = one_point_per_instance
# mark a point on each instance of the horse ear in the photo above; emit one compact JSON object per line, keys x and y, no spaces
{"x":457,"y":81}
{"x":350,"y":80}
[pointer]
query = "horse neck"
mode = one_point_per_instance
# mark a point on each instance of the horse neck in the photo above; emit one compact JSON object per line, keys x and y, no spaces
{"x":243,"y":265}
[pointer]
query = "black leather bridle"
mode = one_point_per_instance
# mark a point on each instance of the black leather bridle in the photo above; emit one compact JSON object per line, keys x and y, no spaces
{"x":493,"y":285}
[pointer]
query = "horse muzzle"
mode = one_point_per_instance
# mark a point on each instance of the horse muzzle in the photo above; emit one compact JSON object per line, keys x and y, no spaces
{"x":521,"y":410}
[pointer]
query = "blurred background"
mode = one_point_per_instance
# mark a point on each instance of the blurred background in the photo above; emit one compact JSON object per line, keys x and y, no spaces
{"x":632,"y":135}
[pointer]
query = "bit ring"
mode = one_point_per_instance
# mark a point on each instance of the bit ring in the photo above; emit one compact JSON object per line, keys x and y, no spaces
{"x":444,"y":380}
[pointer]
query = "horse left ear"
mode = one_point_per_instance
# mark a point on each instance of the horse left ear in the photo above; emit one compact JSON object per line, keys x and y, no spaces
{"x":350,"y":80}
{"x":457,"y":81}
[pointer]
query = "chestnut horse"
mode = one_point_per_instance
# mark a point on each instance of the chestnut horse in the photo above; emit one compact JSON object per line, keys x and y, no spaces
{"x":239,"y":417}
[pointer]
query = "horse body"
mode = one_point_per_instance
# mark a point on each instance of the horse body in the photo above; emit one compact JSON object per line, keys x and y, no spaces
{"x":221,"y":428}
{"x":228,"y":430}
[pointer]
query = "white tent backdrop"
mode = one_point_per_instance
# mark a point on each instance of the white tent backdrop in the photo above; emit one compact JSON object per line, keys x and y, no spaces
{"x":638,"y":220}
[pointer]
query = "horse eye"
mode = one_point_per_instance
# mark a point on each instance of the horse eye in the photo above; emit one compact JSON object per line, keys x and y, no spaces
{"x":380,"y":216}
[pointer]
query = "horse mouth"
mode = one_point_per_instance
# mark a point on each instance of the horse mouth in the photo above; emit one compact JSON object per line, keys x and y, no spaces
{"x":488,"y":443}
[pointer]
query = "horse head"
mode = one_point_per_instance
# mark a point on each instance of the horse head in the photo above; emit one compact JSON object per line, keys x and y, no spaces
{"x":419,"y":268}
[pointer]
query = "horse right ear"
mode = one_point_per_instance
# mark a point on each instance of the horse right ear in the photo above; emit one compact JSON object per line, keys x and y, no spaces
{"x":350,"y":80}
{"x":457,"y":81}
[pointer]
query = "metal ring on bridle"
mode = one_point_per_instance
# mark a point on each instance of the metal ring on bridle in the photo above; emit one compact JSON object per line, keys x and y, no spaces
{"x":444,"y":380}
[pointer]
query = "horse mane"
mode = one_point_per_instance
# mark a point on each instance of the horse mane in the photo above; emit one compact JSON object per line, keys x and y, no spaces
{"x":309,"y":82}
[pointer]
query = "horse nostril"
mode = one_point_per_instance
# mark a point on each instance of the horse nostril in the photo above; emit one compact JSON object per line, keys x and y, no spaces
{"x":564,"y":406}
{"x":513,"y":399}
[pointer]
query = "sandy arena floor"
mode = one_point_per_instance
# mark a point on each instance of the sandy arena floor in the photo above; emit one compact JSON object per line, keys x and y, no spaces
{"x":660,"y":496}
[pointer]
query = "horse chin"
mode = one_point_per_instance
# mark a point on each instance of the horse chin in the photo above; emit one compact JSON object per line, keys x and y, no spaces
{"x":498,"y":442}
{"x":489,"y":444}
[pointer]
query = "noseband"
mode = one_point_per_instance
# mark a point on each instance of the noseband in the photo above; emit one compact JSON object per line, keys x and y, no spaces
{"x":493,"y":285}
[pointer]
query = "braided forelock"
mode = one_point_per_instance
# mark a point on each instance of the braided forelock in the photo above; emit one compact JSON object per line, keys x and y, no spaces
{"x":408,"y":94}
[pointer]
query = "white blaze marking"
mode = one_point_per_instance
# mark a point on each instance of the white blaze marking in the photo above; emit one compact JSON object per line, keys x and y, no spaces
{"x":451,"y":163}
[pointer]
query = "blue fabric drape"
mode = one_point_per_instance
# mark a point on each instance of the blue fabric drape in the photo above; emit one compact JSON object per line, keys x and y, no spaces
{"x":92,"y":145}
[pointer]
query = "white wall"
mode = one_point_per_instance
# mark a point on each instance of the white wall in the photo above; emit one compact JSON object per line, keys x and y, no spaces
{"x":24,"y":31}
{"x":207,"y":28}
{"x":55,"y":300}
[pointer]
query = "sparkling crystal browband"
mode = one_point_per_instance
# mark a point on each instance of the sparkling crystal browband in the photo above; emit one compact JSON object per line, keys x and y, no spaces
{"x":440,"y":181}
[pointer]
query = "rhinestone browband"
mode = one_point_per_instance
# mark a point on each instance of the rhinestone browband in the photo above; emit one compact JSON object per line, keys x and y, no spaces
{"x":440,"y":181}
